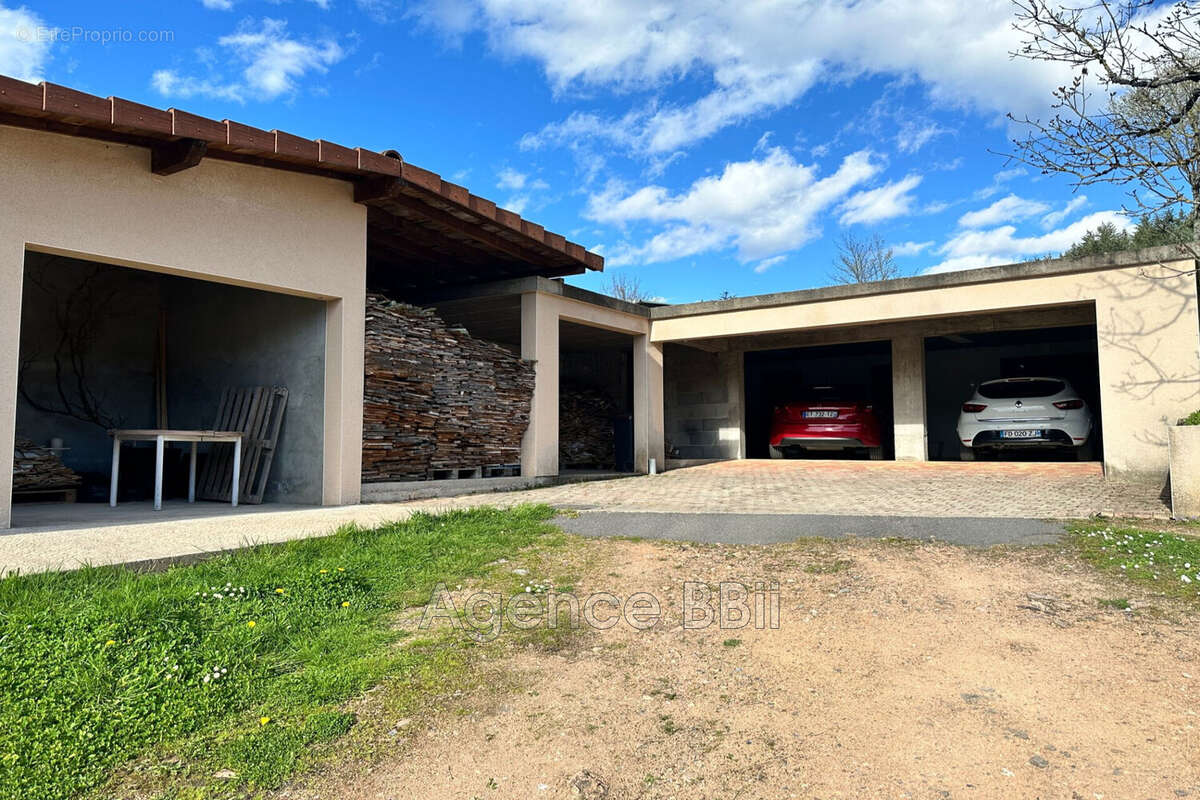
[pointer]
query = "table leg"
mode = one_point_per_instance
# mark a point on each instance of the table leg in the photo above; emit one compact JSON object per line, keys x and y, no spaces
{"x":192,"y":476}
{"x":116,"y":471}
{"x":158,"y":472}
{"x":237,"y":471}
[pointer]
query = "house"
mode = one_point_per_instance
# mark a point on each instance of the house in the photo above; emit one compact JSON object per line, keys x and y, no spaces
{"x":217,"y":254}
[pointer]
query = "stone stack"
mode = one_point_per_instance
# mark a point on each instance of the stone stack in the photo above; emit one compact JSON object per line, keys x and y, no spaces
{"x":436,"y":398}
{"x":585,"y":428}
{"x":37,"y":468}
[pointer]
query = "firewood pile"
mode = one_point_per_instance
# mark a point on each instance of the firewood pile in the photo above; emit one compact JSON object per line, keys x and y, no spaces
{"x":36,"y":467}
{"x":436,"y":398}
{"x":585,"y":428}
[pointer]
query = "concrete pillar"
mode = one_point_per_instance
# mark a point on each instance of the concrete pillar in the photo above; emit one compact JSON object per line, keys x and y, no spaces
{"x":732,"y":367}
{"x":908,"y":398}
{"x":12,"y":276}
{"x":345,"y":323}
{"x":539,"y":344}
{"x":649,"y":438}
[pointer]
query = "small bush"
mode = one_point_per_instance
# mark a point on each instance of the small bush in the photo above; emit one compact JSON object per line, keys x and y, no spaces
{"x":1191,"y":419}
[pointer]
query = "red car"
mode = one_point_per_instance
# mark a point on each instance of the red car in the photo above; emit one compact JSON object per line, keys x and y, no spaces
{"x":828,"y":418}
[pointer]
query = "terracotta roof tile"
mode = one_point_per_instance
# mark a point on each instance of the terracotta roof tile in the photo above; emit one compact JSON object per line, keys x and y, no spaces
{"x":84,"y":112}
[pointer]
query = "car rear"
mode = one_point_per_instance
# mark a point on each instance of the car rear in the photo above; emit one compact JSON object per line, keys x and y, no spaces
{"x":826,"y":420}
{"x":1024,"y":413}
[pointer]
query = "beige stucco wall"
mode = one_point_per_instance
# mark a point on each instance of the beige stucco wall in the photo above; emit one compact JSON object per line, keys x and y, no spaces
{"x":541,"y":313}
{"x":231,"y":223}
{"x":1146,"y":320}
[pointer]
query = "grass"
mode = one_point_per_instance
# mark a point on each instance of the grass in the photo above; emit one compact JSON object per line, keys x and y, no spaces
{"x":241,"y":664}
{"x":1165,"y":562}
{"x":828,"y":567}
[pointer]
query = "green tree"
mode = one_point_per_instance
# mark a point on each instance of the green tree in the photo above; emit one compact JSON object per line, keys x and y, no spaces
{"x":1151,"y":231}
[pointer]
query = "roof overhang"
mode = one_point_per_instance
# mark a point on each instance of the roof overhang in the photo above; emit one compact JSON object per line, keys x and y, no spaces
{"x":422,"y":231}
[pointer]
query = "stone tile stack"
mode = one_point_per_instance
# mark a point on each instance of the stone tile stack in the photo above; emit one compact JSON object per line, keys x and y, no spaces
{"x":585,"y":428}
{"x":37,"y":468}
{"x":436,"y":398}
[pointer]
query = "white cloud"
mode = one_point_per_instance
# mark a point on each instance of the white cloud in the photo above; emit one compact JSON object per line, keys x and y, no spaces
{"x":970,"y":249}
{"x":274,"y":63}
{"x":916,"y":133}
{"x":761,"y":207}
{"x":754,"y":58}
{"x":1006,"y":209}
{"x":1057,"y":217}
{"x":24,"y":44}
{"x":894,"y":199}
{"x":911,"y":248}
{"x":218,"y":5}
{"x":767,"y":263}
{"x":509,"y":178}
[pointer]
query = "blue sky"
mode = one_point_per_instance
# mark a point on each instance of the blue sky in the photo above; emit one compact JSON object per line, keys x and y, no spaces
{"x":702,"y":146}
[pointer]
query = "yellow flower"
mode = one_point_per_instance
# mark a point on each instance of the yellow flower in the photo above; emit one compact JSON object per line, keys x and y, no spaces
{"x":345,"y":604}
{"x":341,"y":569}
{"x":263,"y":720}
{"x":109,"y":643}
{"x":324,"y":571}
{"x":250,"y":624}
{"x":279,"y":591}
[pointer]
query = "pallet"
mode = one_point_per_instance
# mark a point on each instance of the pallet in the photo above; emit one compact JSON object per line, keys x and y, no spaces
{"x":258,"y":413}
{"x":63,"y":495}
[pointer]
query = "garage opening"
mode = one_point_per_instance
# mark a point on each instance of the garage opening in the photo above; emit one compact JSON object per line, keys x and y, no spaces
{"x":829,"y":401}
{"x":104,"y":347}
{"x":957,"y":364}
{"x":595,"y":396}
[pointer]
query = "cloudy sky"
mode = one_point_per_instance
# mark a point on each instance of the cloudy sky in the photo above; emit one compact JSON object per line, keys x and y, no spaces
{"x":704,"y":146}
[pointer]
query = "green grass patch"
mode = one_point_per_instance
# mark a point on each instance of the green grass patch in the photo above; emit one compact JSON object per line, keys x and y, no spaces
{"x":731,"y":642}
{"x":1165,"y":562}
{"x":240,"y":663}
{"x":828,"y":567}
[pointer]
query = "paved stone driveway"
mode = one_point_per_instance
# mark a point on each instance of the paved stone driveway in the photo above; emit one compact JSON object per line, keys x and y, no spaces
{"x":931,"y":489}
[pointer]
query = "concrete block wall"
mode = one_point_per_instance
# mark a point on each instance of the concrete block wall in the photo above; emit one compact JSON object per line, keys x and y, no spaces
{"x":703,"y":403}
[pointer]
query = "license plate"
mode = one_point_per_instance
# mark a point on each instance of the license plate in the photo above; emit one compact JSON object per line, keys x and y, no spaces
{"x":820,"y":414}
{"x":1020,"y":434}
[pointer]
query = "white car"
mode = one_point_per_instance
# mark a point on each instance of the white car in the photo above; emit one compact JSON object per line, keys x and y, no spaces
{"x":1014,"y":413}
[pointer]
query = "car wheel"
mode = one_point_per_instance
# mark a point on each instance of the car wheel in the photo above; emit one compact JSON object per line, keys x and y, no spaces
{"x":1086,"y":451}
{"x":875,"y":453}
{"x":776,"y":452}
{"x":966,"y":453}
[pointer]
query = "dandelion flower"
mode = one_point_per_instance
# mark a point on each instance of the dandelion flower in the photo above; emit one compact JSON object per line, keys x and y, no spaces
{"x":345,"y":604}
{"x":279,"y":591}
{"x":251,"y":624}
{"x":324,"y":571}
{"x":263,"y":720}
{"x":341,"y":569}
{"x":110,"y":643}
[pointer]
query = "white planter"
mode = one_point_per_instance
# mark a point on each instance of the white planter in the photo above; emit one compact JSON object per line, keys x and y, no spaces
{"x":1184,"y":445}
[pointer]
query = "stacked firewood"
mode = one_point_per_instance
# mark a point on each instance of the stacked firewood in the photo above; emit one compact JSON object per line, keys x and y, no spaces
{"x":36,"y":467}
{"x":437,"y":398}
{"x":585,"y":428}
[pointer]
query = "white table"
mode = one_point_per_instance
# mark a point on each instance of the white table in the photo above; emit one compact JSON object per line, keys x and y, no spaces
{"x":160,"y":438}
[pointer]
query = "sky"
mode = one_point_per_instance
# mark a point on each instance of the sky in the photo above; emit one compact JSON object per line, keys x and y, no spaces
{"x":704,"y":147}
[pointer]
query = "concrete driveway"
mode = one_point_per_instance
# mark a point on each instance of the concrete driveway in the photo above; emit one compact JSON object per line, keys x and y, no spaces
{"x":979,"y":504}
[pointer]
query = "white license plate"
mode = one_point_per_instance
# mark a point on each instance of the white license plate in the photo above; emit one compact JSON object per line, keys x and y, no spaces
{"x":820,"y":414}
{"x":1020,"y":434}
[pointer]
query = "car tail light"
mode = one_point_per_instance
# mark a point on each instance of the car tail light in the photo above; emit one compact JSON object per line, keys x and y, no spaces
{"x":973,"y":408}
{"x":1067,"y":405}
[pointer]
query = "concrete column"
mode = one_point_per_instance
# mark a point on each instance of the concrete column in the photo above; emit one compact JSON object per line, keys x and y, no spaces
{"x":12,"y":276}
{"x":345,"y":322}
{"x":649,"y":438}
{"x":732,"y":366}
{"x":539,"y":344}
{"x":908,"y":398}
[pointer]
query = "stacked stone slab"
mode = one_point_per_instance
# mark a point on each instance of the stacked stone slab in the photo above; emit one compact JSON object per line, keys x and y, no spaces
{"x":585,"y":428}
{"x":37,"y":468}
{"x":436,"y":398}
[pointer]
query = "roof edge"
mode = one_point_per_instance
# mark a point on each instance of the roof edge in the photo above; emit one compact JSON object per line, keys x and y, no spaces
{"x":967,"y":277}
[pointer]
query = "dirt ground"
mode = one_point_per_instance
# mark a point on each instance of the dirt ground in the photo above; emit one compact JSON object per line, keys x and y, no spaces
{"x":897,"y":670}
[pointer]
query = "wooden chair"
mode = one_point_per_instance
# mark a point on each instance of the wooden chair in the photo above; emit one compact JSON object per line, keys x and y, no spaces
{"x":256,"y":412}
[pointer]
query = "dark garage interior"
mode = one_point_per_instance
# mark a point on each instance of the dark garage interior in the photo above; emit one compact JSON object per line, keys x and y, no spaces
{"x":595,"y":397}
{"x":955,"y":364}
{"x":776,"y":377}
